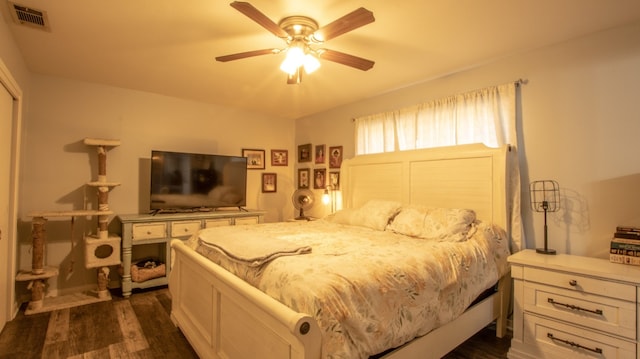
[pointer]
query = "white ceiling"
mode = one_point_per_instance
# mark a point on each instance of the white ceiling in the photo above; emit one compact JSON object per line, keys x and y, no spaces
{"x":168,"y":47}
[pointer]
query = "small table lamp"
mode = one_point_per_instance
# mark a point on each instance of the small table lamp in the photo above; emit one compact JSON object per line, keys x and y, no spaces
{"x":545,"y":197}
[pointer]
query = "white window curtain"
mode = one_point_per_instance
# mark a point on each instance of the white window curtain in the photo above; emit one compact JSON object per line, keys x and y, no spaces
{"x":484,"y":116}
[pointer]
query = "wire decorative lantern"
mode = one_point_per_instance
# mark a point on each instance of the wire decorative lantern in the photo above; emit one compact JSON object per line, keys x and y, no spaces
{"x":545,"y":197}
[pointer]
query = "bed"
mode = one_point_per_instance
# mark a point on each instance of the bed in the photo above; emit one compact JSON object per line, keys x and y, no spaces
{"x":224,"y":316}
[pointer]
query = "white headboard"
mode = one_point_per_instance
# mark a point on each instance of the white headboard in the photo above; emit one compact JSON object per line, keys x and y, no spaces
{"x":466,"y":176}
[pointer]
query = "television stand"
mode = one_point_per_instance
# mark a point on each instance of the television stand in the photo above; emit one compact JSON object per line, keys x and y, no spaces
{"x":151,"y":233}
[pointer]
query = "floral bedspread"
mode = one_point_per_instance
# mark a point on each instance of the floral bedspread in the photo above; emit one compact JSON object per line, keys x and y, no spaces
{"x":369,"y":290}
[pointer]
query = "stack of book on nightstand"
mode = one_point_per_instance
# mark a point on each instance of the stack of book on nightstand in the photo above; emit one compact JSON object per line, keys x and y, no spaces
{"x":625,"y":245}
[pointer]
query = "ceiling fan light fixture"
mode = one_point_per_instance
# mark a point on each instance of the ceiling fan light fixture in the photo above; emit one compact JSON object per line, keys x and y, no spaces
{"x":311,"y":63}
{"x":290,"y":65}
{"x":297,"y":58}
{"x":293,"y":60}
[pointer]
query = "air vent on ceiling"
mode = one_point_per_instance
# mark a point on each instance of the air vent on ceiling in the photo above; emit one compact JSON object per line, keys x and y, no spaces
{"x":29,"y":17}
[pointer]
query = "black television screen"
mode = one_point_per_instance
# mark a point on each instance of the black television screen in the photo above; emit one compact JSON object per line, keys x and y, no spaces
{"x":189,"y":181}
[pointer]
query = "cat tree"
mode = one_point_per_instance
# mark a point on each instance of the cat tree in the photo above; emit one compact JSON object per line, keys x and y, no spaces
{"x":102,"y":249}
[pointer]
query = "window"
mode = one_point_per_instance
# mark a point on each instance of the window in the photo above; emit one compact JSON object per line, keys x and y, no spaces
{"x":484,"y":116}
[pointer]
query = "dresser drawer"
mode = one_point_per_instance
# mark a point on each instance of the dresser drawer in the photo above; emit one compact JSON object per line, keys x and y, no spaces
{"x":558,"y":340}
{"x":218,"y":222}
{"x":148,"y":231}
{"x":580,"y":283}
{"x":606,"y":314}
{"x":184,"y":228}
{"x":246,"y":220}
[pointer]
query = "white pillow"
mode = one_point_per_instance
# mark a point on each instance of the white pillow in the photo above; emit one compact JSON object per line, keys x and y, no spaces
{"x":446,"y":224}
{"x":374,"y":214}
{"x":342,"y":216}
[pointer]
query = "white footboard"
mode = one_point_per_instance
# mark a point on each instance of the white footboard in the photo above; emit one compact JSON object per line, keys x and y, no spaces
{"x":224,"y":317}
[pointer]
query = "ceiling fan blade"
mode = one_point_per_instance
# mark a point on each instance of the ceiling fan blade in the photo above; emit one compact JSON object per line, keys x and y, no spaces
{"x":254,"y":14}
{"x":243,"y":55}
{"x":351,"y":21}
{"x":346,"y":59}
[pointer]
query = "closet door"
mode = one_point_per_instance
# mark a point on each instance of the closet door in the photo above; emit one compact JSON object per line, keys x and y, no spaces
{"x":6,"y":121}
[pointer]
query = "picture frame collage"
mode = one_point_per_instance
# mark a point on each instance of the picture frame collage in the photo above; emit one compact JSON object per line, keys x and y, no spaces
{"x":326,"y":163}
{"x":256,"y":160}
{"x":325,"y":173}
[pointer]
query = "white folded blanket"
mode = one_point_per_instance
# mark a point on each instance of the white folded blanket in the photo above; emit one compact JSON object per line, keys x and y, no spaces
{"x":246,"y":247}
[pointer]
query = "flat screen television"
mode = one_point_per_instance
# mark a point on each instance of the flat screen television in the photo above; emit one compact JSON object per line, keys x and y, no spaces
{"x":193,"y":181}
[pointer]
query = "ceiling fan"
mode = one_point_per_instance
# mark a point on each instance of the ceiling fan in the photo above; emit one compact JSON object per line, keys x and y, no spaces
{"x":301,"y":35}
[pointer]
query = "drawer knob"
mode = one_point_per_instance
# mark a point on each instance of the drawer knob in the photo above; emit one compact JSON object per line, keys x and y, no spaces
{"x":186,"y":230}
{"x":148,"y":232}
{"x":573,"y":282}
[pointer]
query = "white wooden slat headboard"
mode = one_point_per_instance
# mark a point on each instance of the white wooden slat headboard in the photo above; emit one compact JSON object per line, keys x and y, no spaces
{"x":466,"y":176}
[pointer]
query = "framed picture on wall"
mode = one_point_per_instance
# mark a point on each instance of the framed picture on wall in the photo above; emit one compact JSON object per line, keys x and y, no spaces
{"x":335,"y":156}
{"x":303,"y":177}
{"x":334,"y":180}
{"x":279,"y":157}
{"x":269,"y":182}
{"x":319,"y":178}
{"x":255,"y":158}
{"x":304,"y":153}
{"x":320,"y":154}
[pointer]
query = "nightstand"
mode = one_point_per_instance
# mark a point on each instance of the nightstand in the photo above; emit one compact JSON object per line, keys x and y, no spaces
{"x":569,"y":306}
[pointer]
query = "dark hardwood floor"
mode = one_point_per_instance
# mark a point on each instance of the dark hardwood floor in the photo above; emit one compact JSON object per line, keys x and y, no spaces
{"x":140,"y":327}
{"x":483,"y":345}
{"x":137,"y":327}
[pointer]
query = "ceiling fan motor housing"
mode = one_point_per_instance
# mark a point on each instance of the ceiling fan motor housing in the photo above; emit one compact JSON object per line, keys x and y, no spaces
{"x":299,"y":27}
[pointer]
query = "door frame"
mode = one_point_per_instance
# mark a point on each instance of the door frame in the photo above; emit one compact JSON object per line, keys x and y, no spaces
{"x":7,"y":80}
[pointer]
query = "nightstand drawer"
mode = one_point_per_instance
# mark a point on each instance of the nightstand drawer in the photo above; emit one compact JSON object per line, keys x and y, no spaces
{"x":148,"y":231}
{"x":184,"y":228}
{"x":606,"y":314}
{"x":557,"y":340}
{"x":579,"y":283}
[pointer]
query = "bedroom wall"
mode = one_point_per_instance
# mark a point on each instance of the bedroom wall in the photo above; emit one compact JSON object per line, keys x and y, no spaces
{"x":10,"y":55}
{"x":578,"y":125}
{"x":17,"y":71}
{"x":57,"y":164}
